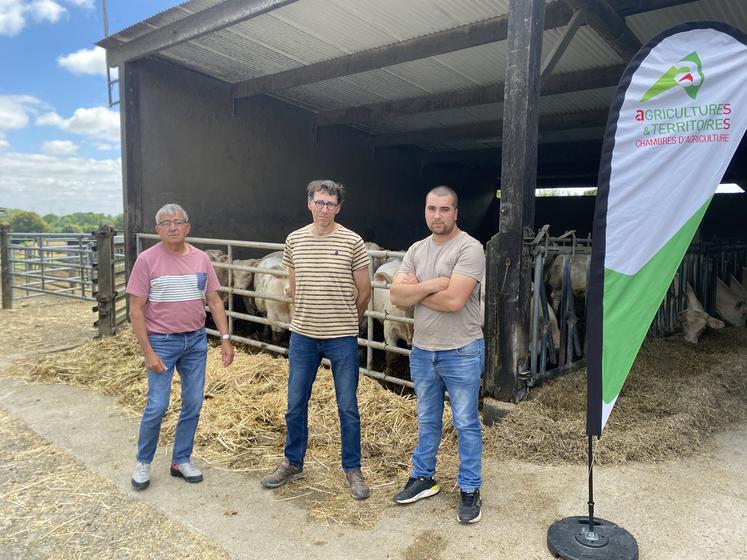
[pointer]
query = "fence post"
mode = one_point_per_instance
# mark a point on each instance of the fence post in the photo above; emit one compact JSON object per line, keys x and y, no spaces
{"x":105,"y":293}
{"x":5,"y":274}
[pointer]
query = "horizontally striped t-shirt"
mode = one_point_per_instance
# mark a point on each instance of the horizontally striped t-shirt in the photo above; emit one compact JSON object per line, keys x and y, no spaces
{"x":324,"y":306}
{"x":175,"y":287}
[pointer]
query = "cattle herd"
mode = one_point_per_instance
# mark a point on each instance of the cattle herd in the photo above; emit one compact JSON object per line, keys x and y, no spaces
{"x":262,"y":286}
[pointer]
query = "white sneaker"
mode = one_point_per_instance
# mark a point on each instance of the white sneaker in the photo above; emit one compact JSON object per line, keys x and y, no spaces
{"x":141,"y":476}
{"x":187,"y":471}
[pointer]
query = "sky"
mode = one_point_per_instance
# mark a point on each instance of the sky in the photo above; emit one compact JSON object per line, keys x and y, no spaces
{"x":59,"y":140}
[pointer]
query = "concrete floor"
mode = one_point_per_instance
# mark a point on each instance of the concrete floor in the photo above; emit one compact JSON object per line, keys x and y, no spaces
{"x":678,"y":510}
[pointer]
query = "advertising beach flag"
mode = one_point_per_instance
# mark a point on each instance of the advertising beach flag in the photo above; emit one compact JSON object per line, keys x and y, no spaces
{"x":678,"y":117}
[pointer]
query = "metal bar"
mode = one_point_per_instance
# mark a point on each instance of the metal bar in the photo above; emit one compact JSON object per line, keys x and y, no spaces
{"x":61,"y":294}
{"x":209,"y":20}
{"x":553,"y":373}
{"x":559,"y":49}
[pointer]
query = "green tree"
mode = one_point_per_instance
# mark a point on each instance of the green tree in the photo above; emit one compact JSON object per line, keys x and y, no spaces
{"x":27,"y":222}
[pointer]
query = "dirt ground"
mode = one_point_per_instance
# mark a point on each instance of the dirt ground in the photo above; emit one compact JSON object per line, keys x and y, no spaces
{"x":66,"y":456}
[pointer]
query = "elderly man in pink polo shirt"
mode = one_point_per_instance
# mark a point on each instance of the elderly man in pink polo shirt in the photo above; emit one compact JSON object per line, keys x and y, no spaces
{"x":168,"y":287}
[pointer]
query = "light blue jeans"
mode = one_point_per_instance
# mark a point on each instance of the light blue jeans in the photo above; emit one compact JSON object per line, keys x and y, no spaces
{"x":458,"y":372}
{"x":187,"y":353}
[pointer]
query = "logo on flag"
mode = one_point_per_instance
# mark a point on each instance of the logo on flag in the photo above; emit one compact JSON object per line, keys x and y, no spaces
{"x":687,"y":74}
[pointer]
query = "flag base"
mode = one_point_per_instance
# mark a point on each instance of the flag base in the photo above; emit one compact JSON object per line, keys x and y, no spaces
{"x":569,"y":538}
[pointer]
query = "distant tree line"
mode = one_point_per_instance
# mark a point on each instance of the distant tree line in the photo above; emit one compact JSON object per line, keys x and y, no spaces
{"x":24,"y":221}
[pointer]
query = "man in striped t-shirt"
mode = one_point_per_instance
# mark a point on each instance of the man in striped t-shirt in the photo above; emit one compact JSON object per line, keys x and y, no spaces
{"x":330,"y":287}
{"x":168,"y":287}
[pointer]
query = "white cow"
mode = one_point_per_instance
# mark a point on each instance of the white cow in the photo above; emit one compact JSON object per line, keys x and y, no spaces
{"x":218,"y":256}
{"x":275,"y":286}
{"x":738,"y":288}
{"x":394,"y":331}
{"x":694,"y":318}
{"x":730,"y":306}
{"x":376,"y":261}
{"x":554,"y":278}
{"x":244,"y":280}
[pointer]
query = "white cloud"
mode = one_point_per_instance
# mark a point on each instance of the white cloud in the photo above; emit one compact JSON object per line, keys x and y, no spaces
{"x":46,"y":10}
{"x":60,"y":147}
{"x":96,"y":122}
{"x":86,"y":61}
{"x":45,"y":183}
{"x":12,"y":18}
{"x":87,"y":4}
{"x":104,"y":146}
{"x":3,"y":141}
{"x":16,"y":111}
{"x":15,"y":14}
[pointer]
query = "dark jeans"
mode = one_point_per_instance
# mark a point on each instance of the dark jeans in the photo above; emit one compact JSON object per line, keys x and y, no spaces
{"x":305,"y":355}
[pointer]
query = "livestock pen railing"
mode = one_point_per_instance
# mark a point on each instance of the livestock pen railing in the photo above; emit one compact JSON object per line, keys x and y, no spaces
{"x":232,"y":248}
{"x":557,"y":321}
{"x":66,"y":265}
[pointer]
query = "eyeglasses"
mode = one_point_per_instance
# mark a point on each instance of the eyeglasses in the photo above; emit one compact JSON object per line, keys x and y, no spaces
{"x":169,"y":223}
{"x":321,"y":204}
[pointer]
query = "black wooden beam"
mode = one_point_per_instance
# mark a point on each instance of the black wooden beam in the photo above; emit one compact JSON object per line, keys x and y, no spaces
{"x":518,"y":181}
{"x":553,"y":57}
{"x":130,"y":121}
{"x":489,"y":129}
{"x":191,"y":27}
{"x":609,"y":25}
{"x":481,"y":95}
{"x":557,"y":14}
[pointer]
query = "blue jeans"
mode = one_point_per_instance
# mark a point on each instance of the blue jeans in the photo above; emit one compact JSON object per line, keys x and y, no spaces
{"x":305,"y":355}
{"x":458,"y":372}
{"x":187,"y":352}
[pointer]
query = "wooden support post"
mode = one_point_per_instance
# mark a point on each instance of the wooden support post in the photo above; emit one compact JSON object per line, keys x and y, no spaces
{"x":518,"y":181}
{"x":106,"y":294}
{"x":5,"y":273}
{"x":129,"y":94}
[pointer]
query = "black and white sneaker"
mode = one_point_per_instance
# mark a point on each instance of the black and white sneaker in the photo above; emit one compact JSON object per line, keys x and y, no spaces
{"x":469,"y":507}
{"x":417,"y":489}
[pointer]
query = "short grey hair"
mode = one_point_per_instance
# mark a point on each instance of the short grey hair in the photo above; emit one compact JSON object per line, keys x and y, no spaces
{"x":171,"y":209}
{"x":328,"y":185}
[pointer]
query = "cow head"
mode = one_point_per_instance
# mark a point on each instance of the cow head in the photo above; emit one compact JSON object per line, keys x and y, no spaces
{"x":695,"y":321}
{"x":242,"y":279}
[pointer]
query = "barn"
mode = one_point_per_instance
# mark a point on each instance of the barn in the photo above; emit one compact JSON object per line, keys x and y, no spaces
{"x":231,"y":107}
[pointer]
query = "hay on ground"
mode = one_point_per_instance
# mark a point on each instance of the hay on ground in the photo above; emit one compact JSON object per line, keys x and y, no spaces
{"x":675,"y":398}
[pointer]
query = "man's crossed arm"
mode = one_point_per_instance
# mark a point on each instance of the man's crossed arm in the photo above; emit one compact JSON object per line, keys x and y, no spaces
{"x":444,"y":293}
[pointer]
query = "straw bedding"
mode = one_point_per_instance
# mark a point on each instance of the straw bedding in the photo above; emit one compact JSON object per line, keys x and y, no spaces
{"x":675,"y":398}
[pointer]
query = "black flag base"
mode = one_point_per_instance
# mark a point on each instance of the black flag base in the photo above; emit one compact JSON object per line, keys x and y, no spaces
{"x":570,"y":538}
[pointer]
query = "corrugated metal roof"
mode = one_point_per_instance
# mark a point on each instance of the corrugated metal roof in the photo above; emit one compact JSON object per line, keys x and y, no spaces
{"x":310,"y":31}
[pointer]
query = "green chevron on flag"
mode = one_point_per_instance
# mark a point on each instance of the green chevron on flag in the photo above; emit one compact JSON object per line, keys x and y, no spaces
{"x":678,"y":117}
{"x":688,"y":73}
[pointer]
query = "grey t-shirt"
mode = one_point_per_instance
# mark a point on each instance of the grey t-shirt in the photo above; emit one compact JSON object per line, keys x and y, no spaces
{"x":439,"y":330}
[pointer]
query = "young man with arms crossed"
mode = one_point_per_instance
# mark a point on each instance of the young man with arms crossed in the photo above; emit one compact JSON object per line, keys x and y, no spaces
{"x":440,"y":276}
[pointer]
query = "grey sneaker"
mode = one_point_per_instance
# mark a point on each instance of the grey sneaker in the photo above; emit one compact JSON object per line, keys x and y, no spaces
{"x":187,"y":471}
{"x":358,"y":488}
{"x":282,"y":474}
{"x":141,"y":476}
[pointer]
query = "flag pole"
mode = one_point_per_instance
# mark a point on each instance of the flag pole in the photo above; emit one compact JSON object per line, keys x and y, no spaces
{"x":581,"y":537}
